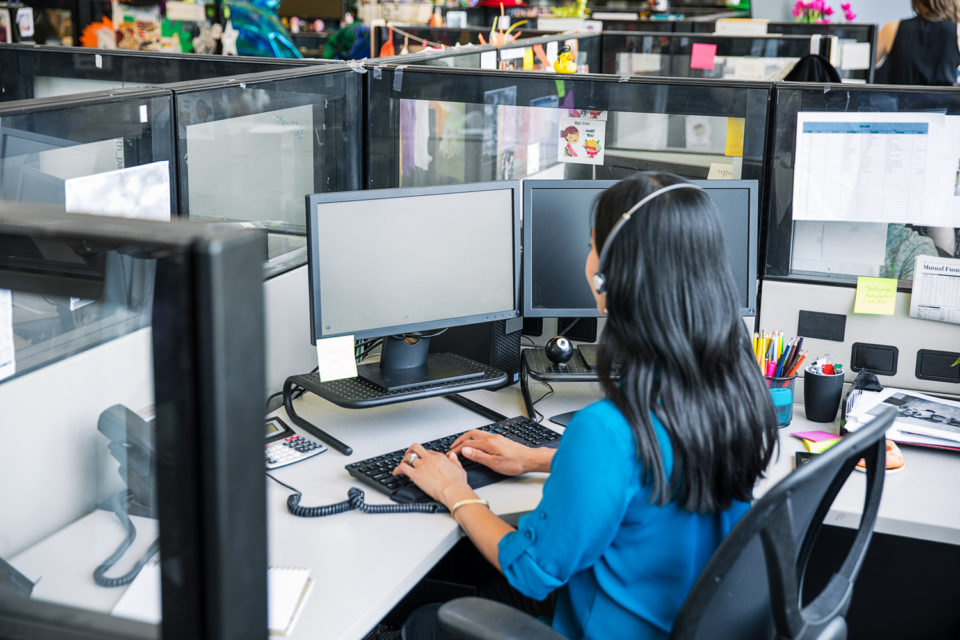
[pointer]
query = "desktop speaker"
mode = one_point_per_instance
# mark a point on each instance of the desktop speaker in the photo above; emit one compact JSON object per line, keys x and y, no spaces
{"x":493,"y":343}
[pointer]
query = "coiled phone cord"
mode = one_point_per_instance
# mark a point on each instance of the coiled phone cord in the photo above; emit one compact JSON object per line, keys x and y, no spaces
{"x":99,"y":577}
{"x":355,"y":500}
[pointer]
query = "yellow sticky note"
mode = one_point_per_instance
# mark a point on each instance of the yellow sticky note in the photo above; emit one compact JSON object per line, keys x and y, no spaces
{"x":819,"y":446}
{"x":528,"y":59}
{"x":336,"y":358}
{"x":876,"y":295}
{"x":734,"y":137}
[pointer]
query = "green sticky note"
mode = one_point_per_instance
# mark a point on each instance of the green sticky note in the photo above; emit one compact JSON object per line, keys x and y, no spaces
{"x":876,"y":295}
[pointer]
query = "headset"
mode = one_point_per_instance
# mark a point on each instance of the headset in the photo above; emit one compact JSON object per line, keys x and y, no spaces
{"x":599,"y":280}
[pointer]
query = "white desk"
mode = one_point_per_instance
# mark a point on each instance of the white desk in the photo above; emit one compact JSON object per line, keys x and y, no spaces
{"x":364,"y":564}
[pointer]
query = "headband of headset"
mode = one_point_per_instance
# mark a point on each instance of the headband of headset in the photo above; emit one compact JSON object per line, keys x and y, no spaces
{"x":599,"y":280}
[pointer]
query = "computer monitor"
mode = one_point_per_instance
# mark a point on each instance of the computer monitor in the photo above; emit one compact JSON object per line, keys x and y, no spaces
{"x":404,"y":263}
{"x":557,"y":217}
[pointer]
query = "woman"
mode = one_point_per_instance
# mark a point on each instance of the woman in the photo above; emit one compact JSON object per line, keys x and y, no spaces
{"x":646,"y":482}
{"x":924,"y":50}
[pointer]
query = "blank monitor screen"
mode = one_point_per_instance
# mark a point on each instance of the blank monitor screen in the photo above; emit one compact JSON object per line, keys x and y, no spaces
{"x":557,"y":217}
{"x":391,"y":261}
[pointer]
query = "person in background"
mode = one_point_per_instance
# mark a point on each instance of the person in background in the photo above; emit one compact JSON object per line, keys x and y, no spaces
{"x":646,"y":482}
{"x":923,"y":50}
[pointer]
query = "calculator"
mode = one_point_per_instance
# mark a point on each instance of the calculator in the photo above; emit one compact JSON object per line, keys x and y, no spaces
{"x":284,"y":446}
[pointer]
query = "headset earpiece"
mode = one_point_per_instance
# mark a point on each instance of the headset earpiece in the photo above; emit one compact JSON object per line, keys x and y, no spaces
{"x":599,"y":280}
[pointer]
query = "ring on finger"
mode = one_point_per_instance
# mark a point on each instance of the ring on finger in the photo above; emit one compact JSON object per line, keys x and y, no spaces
{"x":413,"y":458}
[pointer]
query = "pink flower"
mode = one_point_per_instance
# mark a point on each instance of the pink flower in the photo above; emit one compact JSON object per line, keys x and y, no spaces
{"x":849,"y":15}
{"x":828,"y":11}
{"x":796,"y":12}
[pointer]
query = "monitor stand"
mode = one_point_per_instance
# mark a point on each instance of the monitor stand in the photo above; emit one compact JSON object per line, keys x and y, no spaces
{"x":406,"y":364}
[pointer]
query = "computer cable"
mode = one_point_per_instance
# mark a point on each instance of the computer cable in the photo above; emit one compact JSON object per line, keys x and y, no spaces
{"x":539,"y":416}
{"x":99,"y":577}
{"x":354,"y":501}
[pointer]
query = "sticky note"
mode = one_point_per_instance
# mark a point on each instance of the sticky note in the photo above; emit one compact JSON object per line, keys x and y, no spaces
{"x":821,"y":445}
{"x":876,"y":295}
{"x":336,"y":358}
{"x":720,"y":171}
{"x":702,"y":55}
{"x":527,"y":59}
{"x":814,"y":436}
{"x":734,"y":142}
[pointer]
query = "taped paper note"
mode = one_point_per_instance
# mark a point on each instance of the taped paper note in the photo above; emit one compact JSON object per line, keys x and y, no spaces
{"x":720,"y":171}
{"x":8,"y":363}
{"x":336,"y":358}
{"x":734,"y":145}
{"x":876,"y":296}
{"x":936,"y":289}
{"x":582,"y":141}
{"x":870,"y":167}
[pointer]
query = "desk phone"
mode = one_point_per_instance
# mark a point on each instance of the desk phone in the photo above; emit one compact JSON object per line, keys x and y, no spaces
{"x":284,"y":447}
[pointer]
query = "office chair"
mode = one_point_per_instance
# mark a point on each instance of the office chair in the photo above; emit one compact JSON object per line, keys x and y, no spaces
{"x":751,"y":587}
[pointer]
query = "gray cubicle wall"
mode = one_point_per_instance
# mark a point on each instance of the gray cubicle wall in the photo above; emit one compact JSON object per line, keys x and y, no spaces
{"x":474,"y":126}
{"x":30,"y":71}
{"x":804,"y":277}
{"x":49,"y":143}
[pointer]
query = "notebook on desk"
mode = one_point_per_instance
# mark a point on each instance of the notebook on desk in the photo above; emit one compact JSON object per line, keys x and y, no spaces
{"x":287,"y":590}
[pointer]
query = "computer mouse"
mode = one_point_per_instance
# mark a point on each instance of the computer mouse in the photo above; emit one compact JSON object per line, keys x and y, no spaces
{"x":558,"y":350}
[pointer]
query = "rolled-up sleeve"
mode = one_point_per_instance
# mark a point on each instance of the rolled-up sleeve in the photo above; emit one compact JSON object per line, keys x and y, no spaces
{"x":593,"y":478}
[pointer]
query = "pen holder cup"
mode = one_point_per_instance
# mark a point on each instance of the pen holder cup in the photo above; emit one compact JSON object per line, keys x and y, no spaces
{"x":781,"y":392}
{"x":821,"y":395}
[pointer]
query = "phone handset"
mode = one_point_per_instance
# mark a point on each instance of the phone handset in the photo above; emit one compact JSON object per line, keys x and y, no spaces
{"x":131,"y":443}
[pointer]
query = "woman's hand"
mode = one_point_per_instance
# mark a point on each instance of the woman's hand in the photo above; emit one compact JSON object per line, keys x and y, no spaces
{"x":500,"y":453}
{"x":439,"y":476}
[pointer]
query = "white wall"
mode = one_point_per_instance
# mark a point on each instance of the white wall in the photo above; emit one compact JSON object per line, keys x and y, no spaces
{"x":868,"y":11}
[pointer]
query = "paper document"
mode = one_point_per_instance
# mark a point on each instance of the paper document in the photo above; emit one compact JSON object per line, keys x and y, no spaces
{"x":336,"y":358}
{"x":936,"y":289}
{"x":923,"y":419}
{"x":870,"y":167}
{"x":823,"y":247}
{"x":142,"y":191}
{"x":287,"y":590}
{"x":8,"y":363}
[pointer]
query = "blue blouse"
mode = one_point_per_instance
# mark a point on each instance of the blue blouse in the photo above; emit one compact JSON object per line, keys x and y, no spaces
{"x":627,"y":564}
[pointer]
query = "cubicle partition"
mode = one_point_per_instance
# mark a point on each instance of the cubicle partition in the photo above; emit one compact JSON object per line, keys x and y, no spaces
{"x":52,"y":146}
{"x":30,"y":71}
{"x":249,"y":149}
{"x":863,"y":182}
{"x":702,"y":56}
{"x":131,"y":374}
{"x":431,"y":126}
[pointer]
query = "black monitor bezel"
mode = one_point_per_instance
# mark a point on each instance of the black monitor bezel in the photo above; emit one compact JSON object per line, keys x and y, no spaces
{"x":313,"y":275}
{"x":529,"y":311}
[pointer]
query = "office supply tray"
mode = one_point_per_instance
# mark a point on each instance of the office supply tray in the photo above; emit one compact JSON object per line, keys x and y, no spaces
{"x":539,"y":367}
{"x":358,"y":393}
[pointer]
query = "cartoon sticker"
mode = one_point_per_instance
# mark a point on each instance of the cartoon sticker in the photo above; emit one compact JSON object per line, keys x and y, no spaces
{"x":582,"y":141}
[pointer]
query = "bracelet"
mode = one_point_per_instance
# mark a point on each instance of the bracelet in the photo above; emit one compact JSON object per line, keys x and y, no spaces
{"x":462,"y":503}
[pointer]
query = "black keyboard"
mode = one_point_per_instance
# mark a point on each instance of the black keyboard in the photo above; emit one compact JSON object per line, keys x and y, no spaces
{"x":377,"y":471}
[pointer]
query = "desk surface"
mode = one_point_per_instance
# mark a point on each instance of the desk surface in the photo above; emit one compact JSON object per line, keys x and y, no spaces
{"x":364,"y":564}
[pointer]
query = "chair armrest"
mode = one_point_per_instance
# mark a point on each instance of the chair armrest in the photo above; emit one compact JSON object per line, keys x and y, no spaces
{"x":480,"y":619}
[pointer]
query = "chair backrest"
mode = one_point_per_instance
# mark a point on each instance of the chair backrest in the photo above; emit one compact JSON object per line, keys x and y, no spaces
{"x":751,"y":588}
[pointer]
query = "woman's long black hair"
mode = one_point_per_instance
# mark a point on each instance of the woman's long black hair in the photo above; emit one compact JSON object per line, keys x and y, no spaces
{"x":681,"y":349}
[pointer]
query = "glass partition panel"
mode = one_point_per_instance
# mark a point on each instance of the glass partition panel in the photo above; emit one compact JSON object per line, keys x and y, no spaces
{"x":854,"y":63}
{"x":863,"y":181}
{"x":429,"y":126}
{"x":84,"y":152}
{"x":251,"y":147}
{"x":39,"y":72}
{"x":702,"y":56}
{"x":583,"y":53}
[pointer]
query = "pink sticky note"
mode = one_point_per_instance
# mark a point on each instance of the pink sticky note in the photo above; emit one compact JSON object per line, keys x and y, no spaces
{"x":815,"y":436}
{"x":702,"y":55}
